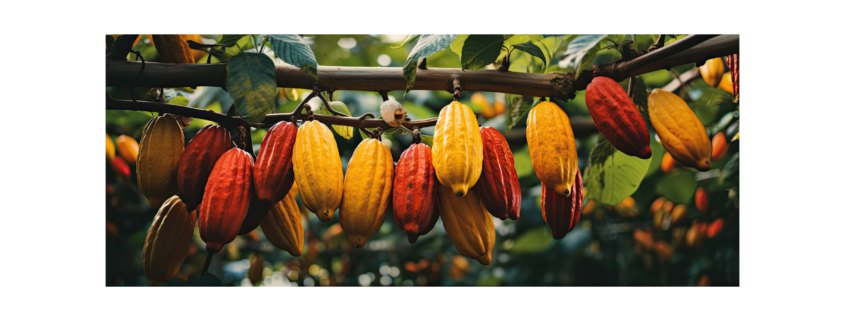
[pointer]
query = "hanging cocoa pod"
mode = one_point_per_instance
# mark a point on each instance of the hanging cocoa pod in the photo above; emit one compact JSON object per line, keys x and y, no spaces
{"x":256,"y":213}
{"x":226,"y":200}
{"x":679,"y":129}
{"x":273,"y":171}
{"x":159,"y":153}
{"x":317,"y":169}
{"x":720,"y":146}
{"x":127,"y":148}
{"x":617,"y":118}
{"x":562,"y":213}
{"x":733,"y":65}
{"x":712,"y":71}
{"x":414,"y":191}
{"x":203,"y":151}
{"x":551,"y":145}
{"x":498,"y":186}
{"x":457,"y":152}
{"x":366,"y":191}
{"x":256,"y":268}
{"x":469,"y":225}
{"x":110,"y":150}
{"x":174,"y":48}
{"x":168,"y":241}
{"x":282,"y":226}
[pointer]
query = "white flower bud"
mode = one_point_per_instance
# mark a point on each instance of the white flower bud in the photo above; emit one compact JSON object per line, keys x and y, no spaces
{"x":393,"y":113}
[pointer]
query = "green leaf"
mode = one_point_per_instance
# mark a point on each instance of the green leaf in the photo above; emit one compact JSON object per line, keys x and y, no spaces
{"x":428,"y":140}
{"x":640,"y":98}
{"x":294,"y":50}
{"x":657,"y":151}
{"x":522,"y":162}
{"x":533,"y":50}
{"x":179,"y":100}
{"x":426,"y":46}
{"x":407,"y":41}
{"x":534,"y":241}
{"x":581,"y":51}
{"x":418,"y":111}
{"x":511,"y":40}
{"x":677,"y":186}
{"x":611,"y":176}
{"x":220,"y":54}
{"x":363,"y":134}
{"x":516,"y":106}
{"x":251,"y":81}
{"x":481,"y":50}
{"x":229,"y":40}
{"x":458,"y":44}
{"x":344,"y":131}
{"x":731,"y":171}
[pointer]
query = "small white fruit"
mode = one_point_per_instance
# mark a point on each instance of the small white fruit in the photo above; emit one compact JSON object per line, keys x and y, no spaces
{"x":393,"y":113}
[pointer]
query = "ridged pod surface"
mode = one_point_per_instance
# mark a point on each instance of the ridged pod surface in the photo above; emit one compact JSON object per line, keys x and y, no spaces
{"x":679,"y":129}
{"x":414,"y":191}
{"x":226,"y":200}
{"x":174,"y":48}
{"x":617,"y":118}
{"x":733,"y":65}
{"x":366,"y":191}
{"x":562,"y":213}
{"x":167,"y":242}
{"x":159,"y":153}
{"x":457,"y":152}
{"x":283,"y":225}
{"x":469,"y":225}
{"x":274,"y":163}
{"x":203,"y":151}
{"x":712,"y":71}
{"x":256,"y":213}
{"x":127,"y":148}
{"x":551,"y":145}
{"x":317,"y":169}
{"x":498,"y":186}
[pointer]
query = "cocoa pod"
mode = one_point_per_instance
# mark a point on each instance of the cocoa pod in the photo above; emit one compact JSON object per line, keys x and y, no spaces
{"x":701,"y":200}
{"x":174,"y":48}
{"x":562,"y":213}
{"x":617,"y":118}
{"x":457,"y":152}
{"x":226,"y":200}
{"x":696,"y":234}
{"x":414,"y":191}
{"x":366,"y":191}
{"x":644,"y":237}
{"x":720,"y":146}
{"x":256,"y":268}
{"x":715,"y":227}
{"x":203,"y":151}
{"x":120,"y":167}
{"x":282,"y":226}
{"x":487,"y":111}
{"x":159,"y":153}
{"x":733,"y":65}
{"x":273,"y":171}
{"x":110,"y":150}
{"x":317,"y":169}
{"x":667,"y":163}
{"x":679,"y":129}
{"x":726,"y":83}
{"x":498,"y":186}
{"x":168,"y":241}
{"x":127,"y":148}
{"x":469,"y":225}
{"x":256,"y":213}
{"x":551,"y":145}
{"x":712,"y":71}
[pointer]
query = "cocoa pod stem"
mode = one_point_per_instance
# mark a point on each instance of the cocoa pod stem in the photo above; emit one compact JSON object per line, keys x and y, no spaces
{"x":207,"y":264}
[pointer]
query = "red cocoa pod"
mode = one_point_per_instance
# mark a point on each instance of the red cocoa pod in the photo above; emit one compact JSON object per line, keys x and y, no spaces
{"x":273,"y":171}
{"x":226,"y":200}
{"x":498,"y":187}
{"x":562,"y":213}
{"x":617,"y":118}
{"x":197,"y":161}
{"x":415,"y":191}
{"x":256,"y":213}
{"x":733,"y":65}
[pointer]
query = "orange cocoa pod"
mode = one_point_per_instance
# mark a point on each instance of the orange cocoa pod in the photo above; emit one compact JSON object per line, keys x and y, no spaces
{"x":414,"y":191}
{"x":174,"y":48}
{"x":160,"y":151}
{"x":498,"y":186}
{"x":733,"y":65}
{"x":667,"y":163}
{"x":701,"y":200}
{"x":256,"y":268}
{"x":366,"y":191}
{"x":487,"y":111}
{"x":468,"y":224}
{"x":226,"y":200}
{"x":663,"y":249}
{"x":720,"y":146}
{"x":679,"y":129}
{"x":457,"y":149}
{"x":715,"y":227}
{"x":317,"y":169}
{"x":203,"y":151}
{"x":562,"y":213}
{"x":679,"y":213}
{"x":657,"y":205}
{"x":110,"y":150}
{"x":726,"y":84}
{"x":552,"y":147}
{"x":283,"y":224}
{"x":168,"y":241}
{"x":644,"y":237}
{"x":712,"y":71}
{"x":696,"y":234}
{"x":127,"y":148}
{"x":273,"y":171}
{"x":617,"y":118}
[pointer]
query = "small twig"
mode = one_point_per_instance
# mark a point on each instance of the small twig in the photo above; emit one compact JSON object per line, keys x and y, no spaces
{"x":684,"y":87}
{"x":298,"y":110}
{"x":383,"y":94}
{"x":659,"y":43}
{"x":631,"y":83}
{"x":367,"y":131}
{"x":207,"y":264}
{"x":417,"y":135}
{"x":329,"y":107}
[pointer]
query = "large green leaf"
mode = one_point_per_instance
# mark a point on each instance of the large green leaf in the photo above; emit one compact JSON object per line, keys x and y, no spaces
{"x":428,"y":140}
{"x":611,"y":176}
{"x":581,"y":51}
{"x":533,"y":50}
{"x":178,"y":100}
{"x":344,"y":131}
{"x":516,"y":106}
{"x":534,"y":241}
{"x":229,"y":40}
{"x":407,"y":41}
{"x":481,"y":50}
{"x":418,"y":111}
{"x":522,"y":162}
{"x":426,"y":46}
{"x":458,"y":44}
{"x":657,"y":151}
{"x":251,"y":81}
{"x":677,"y":186}
{"x":294,"y":50}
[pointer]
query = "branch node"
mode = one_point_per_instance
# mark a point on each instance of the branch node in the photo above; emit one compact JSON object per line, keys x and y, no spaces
{"x":456,"y":86}
{"x":564,"y":86}
{"x":422,"y":65}
{"x":417,"y":135}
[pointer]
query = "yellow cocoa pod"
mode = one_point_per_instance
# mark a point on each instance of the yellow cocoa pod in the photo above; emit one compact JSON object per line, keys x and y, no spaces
{"x":458,"y":152}
{"x":317,"y":169}
{"x":127,"y":148}
{"x":726,"y":84}
{"x":366,"y":191}
{"x":551,"y":145}
{"x":469,"y":225}
{"x":487,"y":111}
{"x":168,"y":240}
{"x":679,"y":129}
{"x":174,"y":48}
{"x":109,"y":148}
{"x":161,"y":148}
{"x":712,"y":71}
{"x":282,"y":226}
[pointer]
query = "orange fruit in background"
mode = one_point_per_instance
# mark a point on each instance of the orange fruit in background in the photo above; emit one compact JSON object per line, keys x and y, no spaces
{"x":668,"y":163}
{"x":720,"y":146}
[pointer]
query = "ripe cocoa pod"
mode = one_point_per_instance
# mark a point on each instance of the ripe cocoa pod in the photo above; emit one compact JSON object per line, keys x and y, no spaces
{"x":725,"y":84}
{"x":282,"y":226}
{"x":679,"y":213}
{"x":715,"y":227}
{"x":469,"y":225}
{"x":551,"y":145}
{"x":733,"y":65}
{"x":366,"y":191}
{"x":127,"y":148}
{"x":120,"y":167}
{"x":644,"y":237}
{"x":701,"y":200}
{"x":720,"y":146}
{"x":226,"y":200}
{"x":457,"y":151}
{"x":562,"y":213}
{"x":414,"y":191}
{"x":487,"y":111}
{"x":256,"y":268}
{"x":273,"y":171}
{"x":109,"y":148}
{"x":679,"y":129}
{"x":168,"y":241}
{"x":203,"y":151}
{"x":657,"y":205}
{"x":667,"y":163}
{"x":712,"y":71}
{"x":696,"y":234}
{"x":617,"y":118}
{"x":317,"y":169}
{"x":174,"y":48}
{"x":256,"y":213}
{"x":160,"y":150}
{"x":663,"y":249}
{"x":498,"y":186}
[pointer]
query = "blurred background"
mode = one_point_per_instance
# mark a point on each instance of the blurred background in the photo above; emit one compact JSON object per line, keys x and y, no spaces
{"x":658,"y":236}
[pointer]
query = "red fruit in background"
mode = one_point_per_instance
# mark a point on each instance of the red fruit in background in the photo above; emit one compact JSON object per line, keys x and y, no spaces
{"x":617,"y":118}
{"x":197,"y":161}
{"x":562,"y":213}
{"x":715,"y":227}
{"x":498,"y":187}
{"x":273,"y":171}
{"x":415,"y":192}
{"x":701,"y":200}
{"x":120,"y":167}
{"x":720,"y":146}
{"x":226,"y":200}
{"x":733,"y":65}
